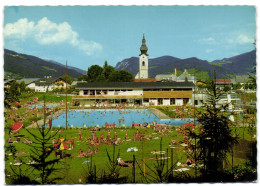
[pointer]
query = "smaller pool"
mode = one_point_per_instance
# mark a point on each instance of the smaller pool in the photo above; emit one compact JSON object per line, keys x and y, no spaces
{"x":87,"y":117}
{"x":52,"y":105}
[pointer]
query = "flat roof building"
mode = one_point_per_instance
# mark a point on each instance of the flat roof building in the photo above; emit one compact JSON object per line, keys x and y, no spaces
{"x":142,"y":93}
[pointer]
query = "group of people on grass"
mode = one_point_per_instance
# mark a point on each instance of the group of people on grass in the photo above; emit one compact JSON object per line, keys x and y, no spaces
{"x":88,"y":152}
{"x":179,"y":112}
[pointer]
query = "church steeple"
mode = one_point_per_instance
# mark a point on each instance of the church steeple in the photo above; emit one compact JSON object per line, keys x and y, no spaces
{"x":143,"y":47}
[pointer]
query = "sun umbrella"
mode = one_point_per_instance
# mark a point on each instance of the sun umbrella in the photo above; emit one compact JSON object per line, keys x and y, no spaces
{"x":62,"y":144}
{"x":17,"y":126}
{"x":35,"y":99}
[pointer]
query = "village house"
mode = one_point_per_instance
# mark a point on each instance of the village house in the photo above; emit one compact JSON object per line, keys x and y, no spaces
{"x":49,"y":83}
{"x":8,"y":82}
{"x":221,"y":83}
{"x":29,"y":82}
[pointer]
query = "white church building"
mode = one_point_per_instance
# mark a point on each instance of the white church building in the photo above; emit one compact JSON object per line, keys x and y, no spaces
{"x":143,"y":61}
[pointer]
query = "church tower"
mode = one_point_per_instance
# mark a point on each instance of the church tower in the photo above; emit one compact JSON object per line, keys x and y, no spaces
{"x":143,"y":62}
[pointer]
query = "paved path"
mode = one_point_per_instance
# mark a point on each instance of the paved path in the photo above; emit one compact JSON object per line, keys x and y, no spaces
{"x":41,"y":122}
{"x":159,"y":114}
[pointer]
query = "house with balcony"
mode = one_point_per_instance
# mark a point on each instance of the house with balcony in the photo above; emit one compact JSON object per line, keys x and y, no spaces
{"x":49,"y":83}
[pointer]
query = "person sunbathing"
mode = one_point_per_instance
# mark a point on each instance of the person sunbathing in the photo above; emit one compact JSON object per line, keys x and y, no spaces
{"x":124,"y":164}
{"x":95,"y":151}
{"x":92,"y":143}
{"x":20,"y":153}
{"x":174,"y":142}
{"x":89,"y":151}
{"x":18,"y":139}
{"x":188,"y":162}
{"x":27,"y":141}
{"x":81,"y":153}
{"x":10,"y":140}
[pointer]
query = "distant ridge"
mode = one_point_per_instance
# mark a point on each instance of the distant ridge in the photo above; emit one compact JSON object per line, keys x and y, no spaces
{"x":237,"y":65}
{"x":29,"y":66}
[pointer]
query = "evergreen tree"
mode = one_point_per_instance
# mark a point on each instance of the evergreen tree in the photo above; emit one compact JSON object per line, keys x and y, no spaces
{"x":252,"y":77}
{"x":215,"y":140}
{"x":41,"y":153}
{"x":237,"y":86}
{"x":105,"y":65}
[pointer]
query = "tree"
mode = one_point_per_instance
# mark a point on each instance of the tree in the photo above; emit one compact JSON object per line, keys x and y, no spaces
{"x":83,"y":78}
{"x":227,"y":88}
{"x":41,"y":153}
{"x":15,"y":89}
{"x":237,"y":86}
{"x":253,"y":77}
{"x":22,"y":86}
{"x":105,"y":64}
{"x":215,"y":140}
{"x":246,"y":86}
{"x":93,"y":72}
{"x":121,"y":76}
{"x":107,"y":70}
{"x":69,"y":78}
{"x":101,"y":78}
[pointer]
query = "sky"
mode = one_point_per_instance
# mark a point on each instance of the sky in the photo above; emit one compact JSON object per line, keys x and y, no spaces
{"x":88,"y":35}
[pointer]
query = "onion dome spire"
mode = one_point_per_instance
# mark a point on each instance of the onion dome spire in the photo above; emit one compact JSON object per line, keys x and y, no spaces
{"x":143,"y":47}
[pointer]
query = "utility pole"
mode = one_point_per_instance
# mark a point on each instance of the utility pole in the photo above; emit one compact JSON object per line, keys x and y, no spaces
{"x":66,"y":96}
{"x":194,"y":123}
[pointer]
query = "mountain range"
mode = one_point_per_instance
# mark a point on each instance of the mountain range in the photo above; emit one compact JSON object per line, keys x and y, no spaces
{"x":237,"y":65}
{"x":29,"y":66}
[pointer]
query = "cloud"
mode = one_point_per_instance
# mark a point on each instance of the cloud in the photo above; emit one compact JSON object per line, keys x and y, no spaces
{"x":209,"y":40}
{"x":209,"y":50}
{"x":240,"y":39}
{"x":46,"y":32}
{"x":19,"y":30}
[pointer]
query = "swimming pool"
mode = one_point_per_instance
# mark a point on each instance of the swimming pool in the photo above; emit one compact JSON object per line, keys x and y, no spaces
{"x":39,"y":106}
{"x":88,"y":117}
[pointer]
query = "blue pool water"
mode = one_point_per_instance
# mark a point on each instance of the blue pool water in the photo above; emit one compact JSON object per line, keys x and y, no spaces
{"x":87,"y":117}
{"x":41,"y":106}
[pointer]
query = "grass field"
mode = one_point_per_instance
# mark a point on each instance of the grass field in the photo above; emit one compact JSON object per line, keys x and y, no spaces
{"x":74,"y":168}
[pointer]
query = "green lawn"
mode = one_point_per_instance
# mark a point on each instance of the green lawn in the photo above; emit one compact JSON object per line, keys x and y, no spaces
{"x":75,"y":168}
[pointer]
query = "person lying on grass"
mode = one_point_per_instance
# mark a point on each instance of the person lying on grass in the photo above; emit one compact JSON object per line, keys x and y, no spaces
{"x":124,"y":164}
{"x":27,"y":141}
{"x":188,"y":162}
{"x":20,"y":153}
{"x":9,"y":140}
{"x":81,"y":153}
{"x":174,"y":142}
